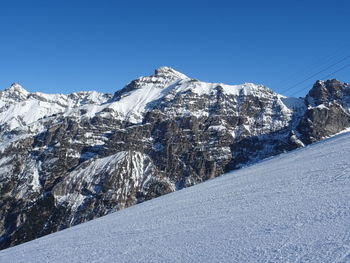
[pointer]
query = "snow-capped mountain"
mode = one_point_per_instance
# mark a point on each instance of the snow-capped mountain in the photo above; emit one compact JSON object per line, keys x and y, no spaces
{"x":20,"y":108}
{"x":72,"y":158}
{"x":291,"y":208}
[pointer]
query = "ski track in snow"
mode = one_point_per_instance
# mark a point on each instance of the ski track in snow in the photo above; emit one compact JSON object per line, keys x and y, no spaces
{"x":291,"y":208}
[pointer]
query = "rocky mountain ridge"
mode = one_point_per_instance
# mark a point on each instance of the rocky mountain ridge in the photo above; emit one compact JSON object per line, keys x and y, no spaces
{"x":66,"y":159}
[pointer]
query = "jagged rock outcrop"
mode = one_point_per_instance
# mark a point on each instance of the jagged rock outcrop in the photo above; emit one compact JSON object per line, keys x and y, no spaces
{"x":328,"y":105}
{"x":66,"y":159}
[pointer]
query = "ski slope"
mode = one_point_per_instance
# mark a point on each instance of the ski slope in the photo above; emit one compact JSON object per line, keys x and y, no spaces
{"x":291,"y":208}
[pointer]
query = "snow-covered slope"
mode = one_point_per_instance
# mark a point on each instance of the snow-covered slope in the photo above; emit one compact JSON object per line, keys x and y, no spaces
{"x":73,"y":158}
{"x":292,"y":208}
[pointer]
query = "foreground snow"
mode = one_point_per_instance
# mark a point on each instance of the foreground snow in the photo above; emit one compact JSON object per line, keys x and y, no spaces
{"x":291,"y":208}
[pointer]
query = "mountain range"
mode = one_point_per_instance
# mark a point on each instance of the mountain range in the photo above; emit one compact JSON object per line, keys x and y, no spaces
{"x":67,"y":159}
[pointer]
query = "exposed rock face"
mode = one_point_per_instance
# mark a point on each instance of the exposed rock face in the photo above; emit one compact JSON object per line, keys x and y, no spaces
{"x":328,"y":105}
{"x":66,"y":159}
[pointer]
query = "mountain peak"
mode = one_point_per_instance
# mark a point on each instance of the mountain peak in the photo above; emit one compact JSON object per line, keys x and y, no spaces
{"x":325,"y":91}
{"x":167,"y":71}
{"x":16,"y":91}
{"x":15,"y":84}
{"x":15,"y":87}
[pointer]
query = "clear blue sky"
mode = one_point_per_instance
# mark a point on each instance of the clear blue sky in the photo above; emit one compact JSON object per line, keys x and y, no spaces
{"x":65,"y":46}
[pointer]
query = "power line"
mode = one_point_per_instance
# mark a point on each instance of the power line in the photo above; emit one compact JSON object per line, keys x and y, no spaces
{"x":317,"y":64}
{"x":315,"y":74}
{"x":325,"y":77}
{"x":344,"y":67}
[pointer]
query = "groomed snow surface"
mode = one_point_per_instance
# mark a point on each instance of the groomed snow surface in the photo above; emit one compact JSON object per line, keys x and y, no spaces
{"x":291,"y":208}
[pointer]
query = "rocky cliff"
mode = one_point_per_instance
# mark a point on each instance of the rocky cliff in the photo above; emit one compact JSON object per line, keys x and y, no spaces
{"x":66,"y":159}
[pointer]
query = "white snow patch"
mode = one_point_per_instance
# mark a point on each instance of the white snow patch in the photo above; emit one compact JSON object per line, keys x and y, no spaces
{"x":322,"y":106}
{"x":35,"y":183}
{"x":218,"y":128}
